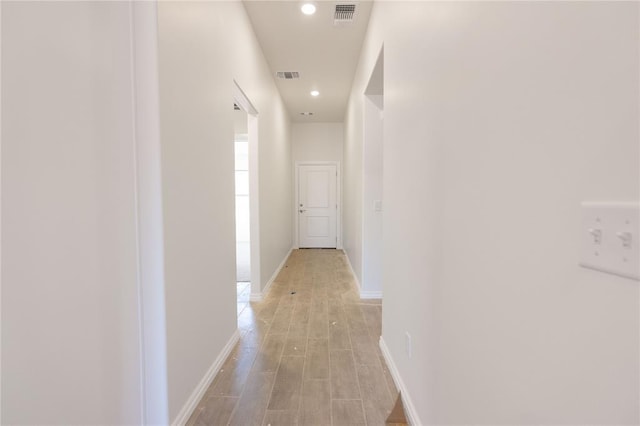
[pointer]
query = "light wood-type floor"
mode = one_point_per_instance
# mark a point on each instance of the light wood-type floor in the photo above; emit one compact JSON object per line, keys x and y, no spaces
{"x":309,"y":358}
{"x":243,"y":296}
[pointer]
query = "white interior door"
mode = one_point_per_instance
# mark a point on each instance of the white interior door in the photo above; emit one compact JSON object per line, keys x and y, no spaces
{"x":317,"y":206}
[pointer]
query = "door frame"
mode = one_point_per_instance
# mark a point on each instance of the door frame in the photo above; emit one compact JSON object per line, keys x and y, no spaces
{"x":296,"y":185}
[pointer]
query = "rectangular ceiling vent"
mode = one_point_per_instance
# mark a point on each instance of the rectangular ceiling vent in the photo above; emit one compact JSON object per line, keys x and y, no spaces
{"x":344,"y":13}
{"x":288,"y":75}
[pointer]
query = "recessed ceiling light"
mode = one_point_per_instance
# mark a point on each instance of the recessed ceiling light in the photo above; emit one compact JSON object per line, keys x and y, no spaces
{"x":308,"y":8}
{"x":314,"y":93}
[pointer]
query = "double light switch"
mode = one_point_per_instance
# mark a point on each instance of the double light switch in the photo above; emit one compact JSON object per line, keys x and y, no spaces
{"x":610,"y":237}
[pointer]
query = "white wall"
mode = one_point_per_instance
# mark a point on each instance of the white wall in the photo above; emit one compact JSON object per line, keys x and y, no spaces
{"x":317,"y":141}
{"x":204,"y":47}
{"x":352,"y":204}
{"x":70,"y":317}
{"x":500,"y":118}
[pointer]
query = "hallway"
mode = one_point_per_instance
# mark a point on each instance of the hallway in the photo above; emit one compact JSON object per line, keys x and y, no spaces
{"x":308,"y":354}
{"x":487,"y":179}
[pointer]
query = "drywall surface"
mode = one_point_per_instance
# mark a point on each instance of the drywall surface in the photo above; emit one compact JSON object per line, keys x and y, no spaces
{"x":70,"y":318}
{"x":500,"y":119}
{"x":204,"y":47}
{"x":372,"y":198}
{"x":317,"y":141}
{"x":352,"y":180}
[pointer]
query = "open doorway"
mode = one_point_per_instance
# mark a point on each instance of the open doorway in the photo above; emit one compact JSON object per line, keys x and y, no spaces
{"x":243,"y":222}
{"x":371,"y":286}
{"x":245,"y":118}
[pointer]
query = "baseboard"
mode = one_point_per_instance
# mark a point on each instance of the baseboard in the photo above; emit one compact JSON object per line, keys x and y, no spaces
{"x":193,"y":401}
{"x":363,"y":294}
{"x":370,"y":294}
{"x":409,"y":408}
{"x":355,"y":277}
{"x":258,"y":297}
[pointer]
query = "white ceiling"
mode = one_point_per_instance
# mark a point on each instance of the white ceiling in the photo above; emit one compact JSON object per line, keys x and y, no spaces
{"x":325,"y":55}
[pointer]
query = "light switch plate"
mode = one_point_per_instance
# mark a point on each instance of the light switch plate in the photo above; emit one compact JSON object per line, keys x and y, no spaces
{"x":609,"y":238}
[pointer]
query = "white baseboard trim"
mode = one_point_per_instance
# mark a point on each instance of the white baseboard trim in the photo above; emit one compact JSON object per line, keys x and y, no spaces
{"x":363,"y":294}
{"x":187,"y":410}
{"x":258,"y":297}
{"x":370,"y":294}
{"x":409,"y":408}
{"x":355,"y":277}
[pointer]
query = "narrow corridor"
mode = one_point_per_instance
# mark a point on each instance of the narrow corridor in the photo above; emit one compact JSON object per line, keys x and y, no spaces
{"x":308,"y":354}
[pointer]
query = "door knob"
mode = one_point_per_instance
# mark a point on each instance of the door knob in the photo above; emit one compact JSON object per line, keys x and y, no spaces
{"x":302,"y":210}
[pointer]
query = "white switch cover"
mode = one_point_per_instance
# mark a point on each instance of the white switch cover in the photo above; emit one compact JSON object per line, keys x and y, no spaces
{"x":377,"y":205}
{"x":610,"y":236}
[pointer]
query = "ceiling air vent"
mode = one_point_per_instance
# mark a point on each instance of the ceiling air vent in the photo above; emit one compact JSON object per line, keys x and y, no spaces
{"x":344,"y":13}
{"x":288,"y":75}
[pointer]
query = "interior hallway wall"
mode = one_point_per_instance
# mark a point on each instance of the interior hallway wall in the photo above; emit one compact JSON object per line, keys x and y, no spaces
{"x":204,"y":46}
{"x":70,"y":306}
{"x":352,"y":206}
{"x":317,"y":141}
{"x":500,"y":119}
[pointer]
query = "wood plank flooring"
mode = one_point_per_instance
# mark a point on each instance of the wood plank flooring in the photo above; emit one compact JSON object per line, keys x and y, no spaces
{"x":308,"y":354}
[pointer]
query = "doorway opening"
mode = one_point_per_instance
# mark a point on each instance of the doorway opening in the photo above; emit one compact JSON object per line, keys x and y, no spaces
{"x":245,"y":118}
{"x":372,"y":197}
{"x":243,"y":223}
